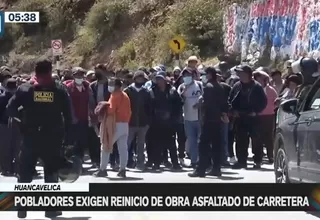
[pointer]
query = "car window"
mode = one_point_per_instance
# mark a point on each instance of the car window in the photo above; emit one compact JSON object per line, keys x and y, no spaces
{"x":313,"y":99}
{"x":301,"y":94}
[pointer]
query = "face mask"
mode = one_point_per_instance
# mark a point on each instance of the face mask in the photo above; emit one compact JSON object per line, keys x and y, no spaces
{"x":204,"y":79}
{"x":138,"y":85}
{"x":78,"y":81}
{"x":187,"y":80}
{"x":111,"y":89}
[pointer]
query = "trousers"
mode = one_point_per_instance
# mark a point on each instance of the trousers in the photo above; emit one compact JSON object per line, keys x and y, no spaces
{"x":44,"y":146}
{"x":210,"y":145}
{"x":140,"y":133}
{"x":162,"y":137}
{"x":247,"y":127}
{"x":121,"y":137}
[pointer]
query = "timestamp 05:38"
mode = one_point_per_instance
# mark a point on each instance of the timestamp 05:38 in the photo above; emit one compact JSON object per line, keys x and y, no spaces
{"x":21,"y":17}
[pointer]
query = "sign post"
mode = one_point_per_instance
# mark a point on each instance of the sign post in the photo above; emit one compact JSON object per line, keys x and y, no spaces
{"x":177,"y":44}
{"x":57,"y":51}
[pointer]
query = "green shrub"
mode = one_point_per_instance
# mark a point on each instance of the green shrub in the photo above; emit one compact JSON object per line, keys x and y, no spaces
{"x":201,"y":21}
{"x":126,"y":53}
{"x":101,"y":21}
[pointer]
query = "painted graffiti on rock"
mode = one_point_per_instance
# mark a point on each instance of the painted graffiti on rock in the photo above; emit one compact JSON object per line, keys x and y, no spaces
{"x":292,"y":26}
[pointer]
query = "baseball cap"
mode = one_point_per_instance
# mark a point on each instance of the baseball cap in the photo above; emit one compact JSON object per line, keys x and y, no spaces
{"x":90,"y":73}
{"x":211,"y":70}
{"x":244,"y":68}
{"x":11,"y":83}
{"x":156,"y":68}
{"x":161,"y":74}
{"x":77,"y":70}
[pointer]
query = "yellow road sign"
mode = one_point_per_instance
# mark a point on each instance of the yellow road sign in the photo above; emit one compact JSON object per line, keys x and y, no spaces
{"x":177,"y":44}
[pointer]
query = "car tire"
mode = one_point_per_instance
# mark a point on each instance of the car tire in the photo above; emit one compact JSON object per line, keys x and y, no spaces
{"x":281,"y":166}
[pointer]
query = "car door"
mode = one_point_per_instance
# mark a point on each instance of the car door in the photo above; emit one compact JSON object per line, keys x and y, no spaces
{"x":300,"y":138}
{"x":310,"y":153}
{"x":294,"y":131}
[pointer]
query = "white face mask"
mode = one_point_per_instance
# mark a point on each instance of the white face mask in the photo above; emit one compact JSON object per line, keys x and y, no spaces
{"x":204,"y":79}
{"x":78,"y":81}
{"x":187,"y":80}
{"x":111,"y":89}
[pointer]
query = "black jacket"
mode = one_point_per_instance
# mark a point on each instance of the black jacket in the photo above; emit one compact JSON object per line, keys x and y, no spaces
{"x":4,"y":99}
{"x":94,"y":87}
{"x":140,"y":106}
{"x":45,"y":108}
{"x":165,"y":106}
{"x":257,"y":99}
{"x":214,"y":102}
{"x":227,"y":88}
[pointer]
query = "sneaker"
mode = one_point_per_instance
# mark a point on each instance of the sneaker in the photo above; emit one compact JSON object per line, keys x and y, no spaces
{"x":141,"y":167}
{"x":149,"y":164}
{"x":35,"y":174}
{"x":52,"y":214}
{"x":238,"y":166}
{"x":7,"y":173}
{"x":176,"y":167}
{"x":100,"y":173}
{"x":181,"y":162}
{"x":115,"y":167}
{"x":257,"y":166}
{"x":214,"y":172}
{"x":196,"y":173}
{"x":167,"y":164}
{"x":22,"y":214}
{"x":233,"y":160}
{"x":156,"y":167}
{"x":95,"y":165}
{"x":122,"y":174}
{"x":226,"y":164}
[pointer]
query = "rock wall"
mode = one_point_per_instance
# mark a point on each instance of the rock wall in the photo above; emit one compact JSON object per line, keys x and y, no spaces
{"x":292,"y":27}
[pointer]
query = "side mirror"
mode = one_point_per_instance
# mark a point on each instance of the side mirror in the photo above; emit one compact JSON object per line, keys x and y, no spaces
{"x":290,"y":106}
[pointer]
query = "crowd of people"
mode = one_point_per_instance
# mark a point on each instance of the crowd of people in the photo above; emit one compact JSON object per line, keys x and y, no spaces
{"x":121,"y":117}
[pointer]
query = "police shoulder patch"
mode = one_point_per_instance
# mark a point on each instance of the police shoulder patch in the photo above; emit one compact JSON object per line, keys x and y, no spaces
{"x":43,"y":96}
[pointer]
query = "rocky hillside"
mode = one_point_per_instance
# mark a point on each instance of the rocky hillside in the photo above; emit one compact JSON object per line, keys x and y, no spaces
{"x":122,"y":33}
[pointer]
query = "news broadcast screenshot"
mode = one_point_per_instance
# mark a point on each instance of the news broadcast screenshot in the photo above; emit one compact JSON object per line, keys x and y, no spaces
{"x":159,"y":109}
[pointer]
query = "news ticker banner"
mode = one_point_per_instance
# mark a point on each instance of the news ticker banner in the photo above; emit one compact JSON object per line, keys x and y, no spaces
{"x":159,"y":197}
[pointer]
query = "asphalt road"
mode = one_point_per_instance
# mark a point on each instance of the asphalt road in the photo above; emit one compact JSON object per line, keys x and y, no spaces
{"x":265,"y":175}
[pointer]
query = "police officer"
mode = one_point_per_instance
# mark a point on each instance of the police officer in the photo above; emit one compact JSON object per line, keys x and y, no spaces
{"x":214,"y":113}
{"x":45,"y":123}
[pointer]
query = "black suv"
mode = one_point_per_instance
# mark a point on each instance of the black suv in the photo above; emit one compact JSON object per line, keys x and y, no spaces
{"x":297,"y":139}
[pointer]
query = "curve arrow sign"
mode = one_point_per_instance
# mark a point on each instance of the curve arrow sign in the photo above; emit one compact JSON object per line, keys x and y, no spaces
{"x":177,"y":43}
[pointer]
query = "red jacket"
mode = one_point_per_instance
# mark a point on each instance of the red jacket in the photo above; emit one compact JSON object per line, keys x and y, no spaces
{"x":79,"y":99}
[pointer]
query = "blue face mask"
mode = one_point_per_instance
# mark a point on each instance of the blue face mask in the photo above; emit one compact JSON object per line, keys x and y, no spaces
{"x":204,"y":79}
{"x":78,"y":81}
{"x":187,"y":80}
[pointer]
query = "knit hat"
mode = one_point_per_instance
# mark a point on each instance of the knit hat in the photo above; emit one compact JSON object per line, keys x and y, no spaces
{"x":176,"y":68}
{"x":140,"y":73}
